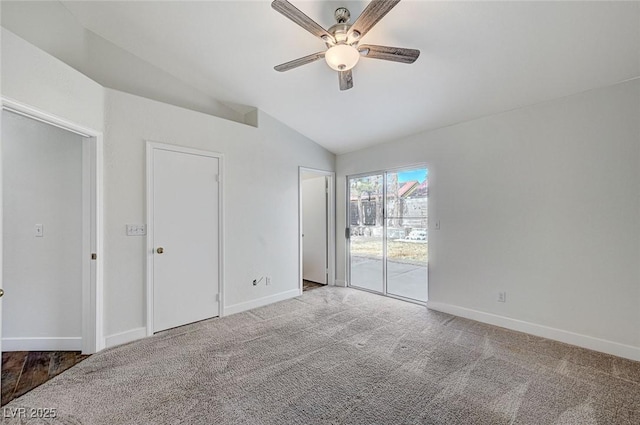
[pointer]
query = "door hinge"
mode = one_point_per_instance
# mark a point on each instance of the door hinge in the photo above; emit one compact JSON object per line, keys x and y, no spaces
{"x":94,"y":256}
{"x":347,"y":233}
{"x":218,"y":297}
{"x":217,"y":178}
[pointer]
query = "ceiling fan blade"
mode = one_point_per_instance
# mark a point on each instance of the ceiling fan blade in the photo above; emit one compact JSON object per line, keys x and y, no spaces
{"x":298,"y":62}
{"x":296,"y":15}
{"x":395,"y":54}
{"x":374,"y":11}
{"x":346,"y":79}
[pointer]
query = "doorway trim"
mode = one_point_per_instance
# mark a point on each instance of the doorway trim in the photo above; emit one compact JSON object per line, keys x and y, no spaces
{"x":331,"y":224}
{"x":151,"y":146}
{"x":92,"y":226}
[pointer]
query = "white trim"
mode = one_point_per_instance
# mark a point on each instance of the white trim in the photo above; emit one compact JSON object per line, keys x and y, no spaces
{"x":331,"y":225}
{"x":87,"y":236}
{"x":92,"y":320}
{"x":151,"y":146}
{"x":1,"y":240}
{"x":124,"y":337}
{"x":584,"y":341}
{"x":45,"y":117}
{"x":42,"y":344}
{"x":150,"y":241}
{"x":221,"y":251}
{"x":260,"y":302}
{"x":98,"y":244}
{"x":341,"y":283}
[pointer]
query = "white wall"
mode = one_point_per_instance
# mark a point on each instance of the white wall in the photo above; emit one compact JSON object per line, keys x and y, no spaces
{"x":541,"y":202}
{"x":260,"y":205}
{"x":261,"y":181}
{"x":42,"y":81}
{"x":42,"y":184}
{"x":51,"y":27}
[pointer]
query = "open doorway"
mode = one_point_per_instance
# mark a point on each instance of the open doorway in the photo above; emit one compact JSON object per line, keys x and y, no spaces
{"x":51,"y":215}
{"x":316,"y":222}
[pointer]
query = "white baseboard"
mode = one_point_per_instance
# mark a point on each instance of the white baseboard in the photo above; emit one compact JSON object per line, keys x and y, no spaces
{"x":584,"y":341}
{"x":248,"y":305}
{"x":124,"y":337}
{"x":341,"y":283}
{"x":42,"y":344}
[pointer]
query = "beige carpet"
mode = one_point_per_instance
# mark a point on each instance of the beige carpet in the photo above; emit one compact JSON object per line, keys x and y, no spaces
{"x":342,"y":356}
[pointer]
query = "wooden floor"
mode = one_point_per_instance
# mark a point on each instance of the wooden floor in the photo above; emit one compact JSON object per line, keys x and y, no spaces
{"x":22,"y":371}
{"x":307,"y":285}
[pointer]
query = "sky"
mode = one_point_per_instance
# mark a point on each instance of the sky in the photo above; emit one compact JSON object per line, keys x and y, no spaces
{"x":420,"y":175}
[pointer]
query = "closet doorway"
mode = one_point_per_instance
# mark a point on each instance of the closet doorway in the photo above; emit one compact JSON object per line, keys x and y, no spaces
{"x":51,"y":232}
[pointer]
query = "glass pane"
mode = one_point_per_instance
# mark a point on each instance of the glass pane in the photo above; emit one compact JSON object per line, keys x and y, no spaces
{"x":366,"y":225}
{"x":407,"y":235}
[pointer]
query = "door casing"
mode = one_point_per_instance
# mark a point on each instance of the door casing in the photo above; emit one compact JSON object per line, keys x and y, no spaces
{"x":151,"y":146}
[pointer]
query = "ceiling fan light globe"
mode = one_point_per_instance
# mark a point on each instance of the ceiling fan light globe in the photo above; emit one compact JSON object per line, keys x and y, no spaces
{"x":342,"y":57}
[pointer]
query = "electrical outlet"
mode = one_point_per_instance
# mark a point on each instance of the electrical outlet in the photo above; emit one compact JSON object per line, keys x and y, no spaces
{"x":502,"y":297}
{"x":268,"y":280}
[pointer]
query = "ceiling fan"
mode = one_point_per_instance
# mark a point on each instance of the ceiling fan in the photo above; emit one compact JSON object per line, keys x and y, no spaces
{"x":342,"y":39}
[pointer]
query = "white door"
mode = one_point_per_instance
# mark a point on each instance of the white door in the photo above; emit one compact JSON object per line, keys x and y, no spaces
{"x":314,"y":229}
{"x":185,"y":235}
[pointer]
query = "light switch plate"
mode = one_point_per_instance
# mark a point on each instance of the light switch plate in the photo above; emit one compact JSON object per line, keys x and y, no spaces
{"x":39,"y":230}
{"x":136,"y":229}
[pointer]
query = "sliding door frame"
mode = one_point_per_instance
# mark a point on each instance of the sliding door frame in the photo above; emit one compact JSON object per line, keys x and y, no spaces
{"x":348,"y":231}
{"x":383,"y":173}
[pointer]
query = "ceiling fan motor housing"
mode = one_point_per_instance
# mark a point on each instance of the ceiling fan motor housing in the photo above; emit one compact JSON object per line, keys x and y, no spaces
{"x":340,"y":33}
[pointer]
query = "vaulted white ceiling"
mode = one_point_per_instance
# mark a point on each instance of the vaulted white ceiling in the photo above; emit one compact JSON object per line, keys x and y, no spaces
{"x":477,"y":58}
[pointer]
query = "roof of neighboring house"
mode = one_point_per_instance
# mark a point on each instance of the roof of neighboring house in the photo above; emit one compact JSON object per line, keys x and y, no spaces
{"x":408,"y":188}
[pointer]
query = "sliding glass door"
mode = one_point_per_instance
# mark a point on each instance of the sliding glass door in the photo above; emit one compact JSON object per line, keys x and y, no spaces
{"x":366,"y":227}
{"x":407,"y":234}
{"x":388,"y":235}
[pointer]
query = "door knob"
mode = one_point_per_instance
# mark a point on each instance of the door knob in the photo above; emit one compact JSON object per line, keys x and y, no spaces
{"x":160,"y":250}
{"x":1,"y":292}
